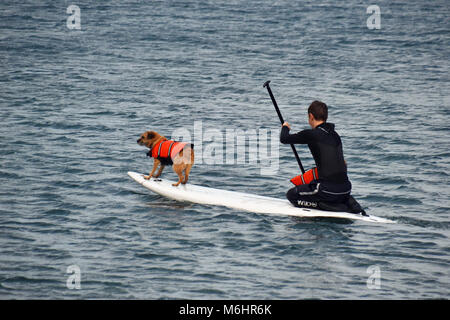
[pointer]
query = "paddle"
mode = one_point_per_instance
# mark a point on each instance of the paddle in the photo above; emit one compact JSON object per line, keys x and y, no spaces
{"x":266,"y":85}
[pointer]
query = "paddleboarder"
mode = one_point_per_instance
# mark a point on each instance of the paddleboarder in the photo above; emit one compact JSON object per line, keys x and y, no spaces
{"x":332,"y":185}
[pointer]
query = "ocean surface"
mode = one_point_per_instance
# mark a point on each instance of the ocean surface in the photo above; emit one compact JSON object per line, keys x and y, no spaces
{"x":73,"y":102}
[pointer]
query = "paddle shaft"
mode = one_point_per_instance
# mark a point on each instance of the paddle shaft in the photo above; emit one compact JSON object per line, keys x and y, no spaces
{"x":266,"y":85}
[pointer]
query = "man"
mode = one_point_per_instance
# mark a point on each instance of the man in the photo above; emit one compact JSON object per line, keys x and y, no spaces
{"x":332,"y":187}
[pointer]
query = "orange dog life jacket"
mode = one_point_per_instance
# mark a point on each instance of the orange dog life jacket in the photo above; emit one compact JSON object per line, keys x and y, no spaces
{"x":167,"y":149}
{"x":306,"y":178}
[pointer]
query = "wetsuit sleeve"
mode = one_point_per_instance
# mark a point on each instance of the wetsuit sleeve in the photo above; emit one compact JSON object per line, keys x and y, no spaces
{"x":302,"y":137}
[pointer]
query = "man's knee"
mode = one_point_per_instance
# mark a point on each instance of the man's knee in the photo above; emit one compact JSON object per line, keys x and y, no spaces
{"x":292,"y":195}
{"x":302,"y":201}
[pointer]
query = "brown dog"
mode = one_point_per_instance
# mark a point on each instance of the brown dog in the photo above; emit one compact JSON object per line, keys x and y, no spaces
{"x":168,"y":152}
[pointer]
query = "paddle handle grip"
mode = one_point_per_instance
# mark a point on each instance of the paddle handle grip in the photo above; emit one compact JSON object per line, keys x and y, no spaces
{"x":266,"y":85}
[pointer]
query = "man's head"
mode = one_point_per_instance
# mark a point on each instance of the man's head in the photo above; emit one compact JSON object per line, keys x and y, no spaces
{"x":317,"y":113}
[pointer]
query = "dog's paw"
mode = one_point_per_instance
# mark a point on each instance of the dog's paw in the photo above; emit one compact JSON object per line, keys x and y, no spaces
{"x":147,"y":177}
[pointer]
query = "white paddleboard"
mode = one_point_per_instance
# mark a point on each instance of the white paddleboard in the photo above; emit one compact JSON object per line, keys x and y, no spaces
{"x":240,"y":201}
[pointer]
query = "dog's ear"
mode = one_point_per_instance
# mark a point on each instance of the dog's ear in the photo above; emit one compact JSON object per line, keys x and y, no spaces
{"x":150,"y":135}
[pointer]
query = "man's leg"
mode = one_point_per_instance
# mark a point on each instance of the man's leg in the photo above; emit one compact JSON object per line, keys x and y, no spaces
{"x":305,"y":195}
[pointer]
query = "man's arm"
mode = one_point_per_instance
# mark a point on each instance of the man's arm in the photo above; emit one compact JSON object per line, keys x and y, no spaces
{"x":302,"y":137}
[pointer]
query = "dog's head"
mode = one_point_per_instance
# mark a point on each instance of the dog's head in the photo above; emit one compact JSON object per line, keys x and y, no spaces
{"x":149,"y":138}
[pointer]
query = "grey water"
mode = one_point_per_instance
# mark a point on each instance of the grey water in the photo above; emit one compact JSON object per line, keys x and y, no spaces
{"x":74,"y":101}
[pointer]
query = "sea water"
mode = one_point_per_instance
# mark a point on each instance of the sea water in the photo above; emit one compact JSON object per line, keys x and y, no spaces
{"x":81,"y":80}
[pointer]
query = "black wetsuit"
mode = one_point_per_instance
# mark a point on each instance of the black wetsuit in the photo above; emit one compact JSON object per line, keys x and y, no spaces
{"x":333,"y":186}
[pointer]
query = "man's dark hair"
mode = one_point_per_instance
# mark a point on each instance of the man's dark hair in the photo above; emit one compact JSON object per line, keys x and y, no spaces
{"x":319,"y":110}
